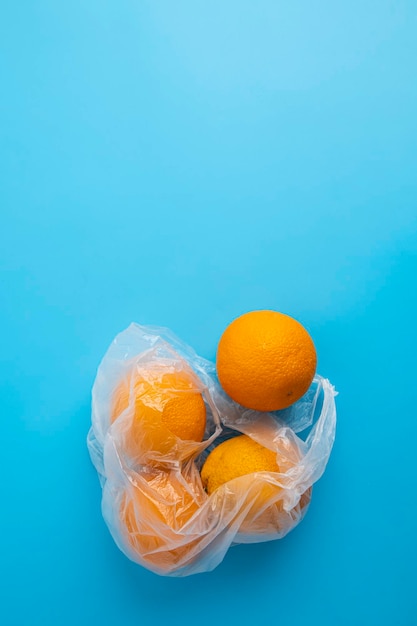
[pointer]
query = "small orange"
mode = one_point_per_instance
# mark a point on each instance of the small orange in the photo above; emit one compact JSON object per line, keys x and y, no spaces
{"x":235,"y":457}
{"x":167,"y":403}
{"x":153,"y":515}
{"x":240,"y":458}
{"x":266,"y":360}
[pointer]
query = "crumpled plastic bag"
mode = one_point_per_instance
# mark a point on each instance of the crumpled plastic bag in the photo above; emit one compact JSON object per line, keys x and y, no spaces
{"x":153,"y":500}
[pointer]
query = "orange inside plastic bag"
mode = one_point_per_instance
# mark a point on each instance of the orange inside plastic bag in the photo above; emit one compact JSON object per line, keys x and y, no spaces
{"x":164,"y":409}
{"x":153,"y":498}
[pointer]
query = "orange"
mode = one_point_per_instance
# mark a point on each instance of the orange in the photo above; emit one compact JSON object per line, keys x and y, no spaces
{"x":153,"y":515}
{"x":266,"y":360}
{"x":235,"y":457}
{"x":166,"y":404}
{"x":241,"y":458}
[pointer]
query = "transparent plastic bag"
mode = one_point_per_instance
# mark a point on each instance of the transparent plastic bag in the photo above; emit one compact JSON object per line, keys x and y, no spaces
{"x":153,"y":499}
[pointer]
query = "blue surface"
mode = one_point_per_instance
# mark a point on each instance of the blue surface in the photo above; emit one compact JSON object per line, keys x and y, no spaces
{"x":179,"y":163}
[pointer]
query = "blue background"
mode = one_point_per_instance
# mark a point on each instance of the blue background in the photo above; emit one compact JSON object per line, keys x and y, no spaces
{"x":179,"y":163}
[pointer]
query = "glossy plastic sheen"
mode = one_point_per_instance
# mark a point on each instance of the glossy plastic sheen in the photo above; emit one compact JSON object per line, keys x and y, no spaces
{"x":153,"y":500}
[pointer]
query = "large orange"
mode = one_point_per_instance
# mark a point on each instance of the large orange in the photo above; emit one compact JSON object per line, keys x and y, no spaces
{"x":166,"y":403}
{"x":266,"y":360}
{"x":243,"y":458}
{"x":154,"y":514}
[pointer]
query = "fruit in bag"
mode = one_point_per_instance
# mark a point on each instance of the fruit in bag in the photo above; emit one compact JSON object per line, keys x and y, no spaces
{"x":157,"y":410}
{"x":153,"y":514}
{"x":242,"y":456}
{"x":166,"y":404}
